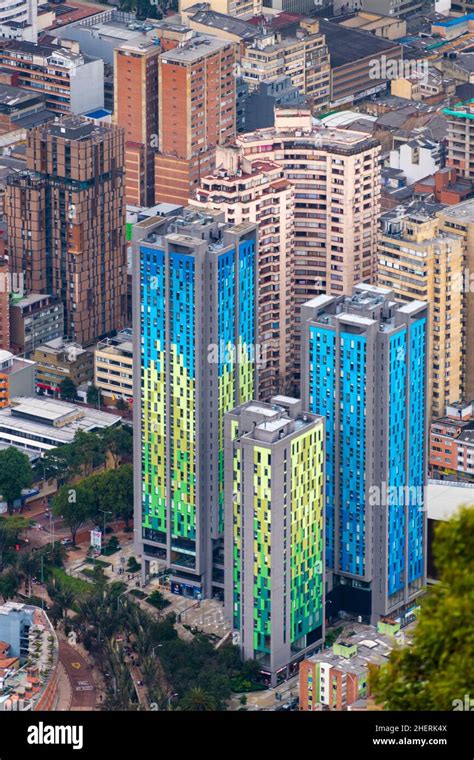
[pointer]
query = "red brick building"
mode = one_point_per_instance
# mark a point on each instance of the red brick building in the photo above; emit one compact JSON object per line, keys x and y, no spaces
{"x":196,"y":113}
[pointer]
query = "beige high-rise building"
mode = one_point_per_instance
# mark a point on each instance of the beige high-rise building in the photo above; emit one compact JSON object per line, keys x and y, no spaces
{"x":257,"y":191}
{"x":336,"y":176}
{"x":459,"y":220}
{"x":418,"y":261}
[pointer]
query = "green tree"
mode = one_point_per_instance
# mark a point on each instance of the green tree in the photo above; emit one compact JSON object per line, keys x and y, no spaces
{"x":15,"y":474}
{"x":67,"y":389}
{"x":29,"y":566}
{"x":118,"y":442}
{"x":93,"y":396}
{"x":121,"y":405}
{"x":438,"y":668}
{"x":91,"y":448}
{"x":75,"y":505}
{"x":62,"y":597}
{"x":157,"y":599}
{"x":198,"y":700}
{"x":9,"y":583}
{"x":132,"y":565}
{"x":10,"y":529}
{"x":62,"y":463}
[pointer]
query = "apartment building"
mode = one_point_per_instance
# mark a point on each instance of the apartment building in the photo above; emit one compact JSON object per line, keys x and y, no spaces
{"x":460,"y":151}
{"x":451,"y":444}
{"x":70,"y":81}
{"x":34,"y":319}
{"x":113,"y":367}
{"x":304,"y":58}
{"x":274,"y":532}
{"x":19,"y":20}
{"x":458,"y":220}
{"x":195,"y":359}
{"x":364,"y":368}
{"x":66,"y":223}
{"x":196,"y":114}
{"x":257,"y":191}
{"x":417,"y":261}
{"x":336,"y":178}
{"x":339,"y":678}
{"x":59,"y":359}
{"x":136,"y":110}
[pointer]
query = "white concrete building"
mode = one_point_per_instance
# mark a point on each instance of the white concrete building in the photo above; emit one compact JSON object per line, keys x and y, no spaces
{"x":417,"y":158}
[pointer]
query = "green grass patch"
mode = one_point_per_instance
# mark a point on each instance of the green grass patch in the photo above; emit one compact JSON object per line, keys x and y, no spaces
{"x":242,"y":685}
{"x":76,"y":585}
{"x":103,"y":562}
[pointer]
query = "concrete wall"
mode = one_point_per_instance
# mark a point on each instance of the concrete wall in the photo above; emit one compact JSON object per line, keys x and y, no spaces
{"x":87,"y":87}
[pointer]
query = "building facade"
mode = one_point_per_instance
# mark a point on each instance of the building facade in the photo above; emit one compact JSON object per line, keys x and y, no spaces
{"x":458,"y":220}
{"x":364,"y":368}
{"x":17,"y":377}
{"x":196,"y":114}
{"x":451,"y":444}
{"x":71,"y":82}
{"x":336,"y":178}
{"x":57,"y":360}
{"x":4,"y":306}
{"x":461,"y":138}
{"x":18,"y":20}
{"x":136,"y":110}
{"x":195,"y":338}
{"x":274,"y":532}
{"x":34,"y":319}
{"x":113,"y":367}
{"x":303,"y":58}
{"x":258,"y":192}
{"x":66,"y":223}
{"x":419,"y":262}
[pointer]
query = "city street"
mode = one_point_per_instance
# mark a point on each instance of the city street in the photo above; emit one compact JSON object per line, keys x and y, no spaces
{"x":79,"y":674}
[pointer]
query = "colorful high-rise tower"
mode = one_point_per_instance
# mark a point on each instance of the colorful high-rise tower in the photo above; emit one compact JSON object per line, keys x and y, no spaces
{"x":364,"y":368}
{"x":274,"y":532}
{"x":195,"y":311}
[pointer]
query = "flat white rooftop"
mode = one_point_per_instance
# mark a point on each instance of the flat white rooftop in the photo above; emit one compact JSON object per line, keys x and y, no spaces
{"x":36,"y":430}
{"x":445,"y":498}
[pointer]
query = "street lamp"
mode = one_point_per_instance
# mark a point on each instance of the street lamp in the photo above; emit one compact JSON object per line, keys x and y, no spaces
{"x":105,"y":512}
{"x":119,"y":597}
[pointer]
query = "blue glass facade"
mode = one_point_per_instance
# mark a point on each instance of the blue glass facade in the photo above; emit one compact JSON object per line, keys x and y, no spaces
{"x":364,"y":370}
{"x":397,"y":475}
{"x":321,"y":401}
{"x":416,"y":450}
{"x":352,"y":453}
